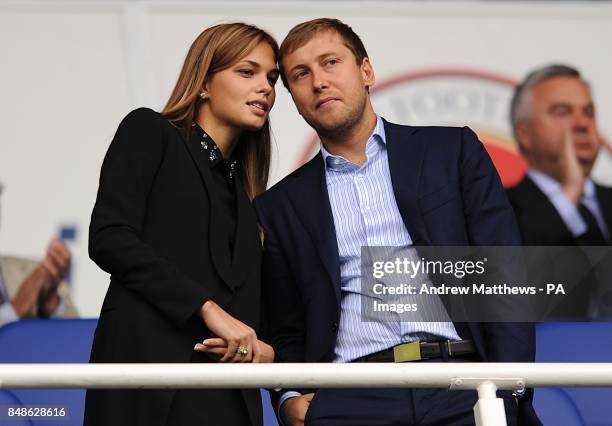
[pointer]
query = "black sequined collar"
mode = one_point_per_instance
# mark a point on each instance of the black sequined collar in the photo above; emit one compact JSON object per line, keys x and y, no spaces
{"x":214,"y":153}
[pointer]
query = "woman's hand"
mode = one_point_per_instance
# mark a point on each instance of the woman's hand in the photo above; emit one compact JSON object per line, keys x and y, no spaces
{"x":240,"y":339}
{"x":217,"y":347}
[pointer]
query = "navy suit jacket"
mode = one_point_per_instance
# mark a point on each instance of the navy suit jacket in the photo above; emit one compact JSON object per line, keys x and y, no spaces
{"x":448,"y":193}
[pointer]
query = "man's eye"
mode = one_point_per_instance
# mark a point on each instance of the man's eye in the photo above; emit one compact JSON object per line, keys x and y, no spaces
{"x":300,"y":74}
{"x":331,"y":62}
{"x":589,"y":112}
{"x":560,"y":110}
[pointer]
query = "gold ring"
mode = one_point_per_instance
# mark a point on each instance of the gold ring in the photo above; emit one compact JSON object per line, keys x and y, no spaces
{"x":242,"y":350}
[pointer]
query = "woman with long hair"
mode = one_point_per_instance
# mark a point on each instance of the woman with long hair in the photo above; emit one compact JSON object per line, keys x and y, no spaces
{"x":174,"y":226}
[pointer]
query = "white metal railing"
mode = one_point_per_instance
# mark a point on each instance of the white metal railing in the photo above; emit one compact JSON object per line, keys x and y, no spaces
{"x":486,"y":378}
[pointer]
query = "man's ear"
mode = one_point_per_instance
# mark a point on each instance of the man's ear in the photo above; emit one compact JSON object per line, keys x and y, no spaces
{"x":367,"y":73}
{"x":523,"y":133}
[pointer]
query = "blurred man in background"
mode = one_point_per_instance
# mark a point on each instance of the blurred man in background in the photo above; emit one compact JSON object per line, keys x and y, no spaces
{"x":557,"y":203}
{"x":32,"y":289}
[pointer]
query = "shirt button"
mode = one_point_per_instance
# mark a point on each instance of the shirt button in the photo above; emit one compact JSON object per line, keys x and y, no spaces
{"x":335,"y":326}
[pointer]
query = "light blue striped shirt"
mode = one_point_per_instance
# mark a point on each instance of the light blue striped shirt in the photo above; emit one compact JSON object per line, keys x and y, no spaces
{"x":366,"y":214}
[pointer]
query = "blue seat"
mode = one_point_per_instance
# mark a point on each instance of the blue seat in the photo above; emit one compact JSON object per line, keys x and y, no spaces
{"x":9,"y":399}
{"x":48,"y":341}
{"x":57,"y":341}
{"x":574,"y":342}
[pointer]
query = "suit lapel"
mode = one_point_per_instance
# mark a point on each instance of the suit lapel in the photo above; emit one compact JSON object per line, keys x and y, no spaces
{"x":604,"y":198}
{"x":548,"y":218}
{"x":219,"y":256}
{"x":314,"y":212}
{"x":405,"y":153}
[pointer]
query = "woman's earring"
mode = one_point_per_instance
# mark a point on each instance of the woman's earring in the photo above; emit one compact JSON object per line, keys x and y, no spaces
{"x":204,"y":95}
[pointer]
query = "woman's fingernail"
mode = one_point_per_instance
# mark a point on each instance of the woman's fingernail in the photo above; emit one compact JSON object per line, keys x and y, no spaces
{"x":198,"y":346}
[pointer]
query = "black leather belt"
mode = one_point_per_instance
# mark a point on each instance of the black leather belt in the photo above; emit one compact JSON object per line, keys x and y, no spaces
{"x":416,"y":351}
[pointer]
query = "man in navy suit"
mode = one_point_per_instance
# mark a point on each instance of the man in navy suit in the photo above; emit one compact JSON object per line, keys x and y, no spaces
{"x":374,"y":183}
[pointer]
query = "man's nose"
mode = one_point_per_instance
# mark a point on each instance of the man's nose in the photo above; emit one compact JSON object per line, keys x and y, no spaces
{"x":582,"y":123}
{"x":318,"y":81}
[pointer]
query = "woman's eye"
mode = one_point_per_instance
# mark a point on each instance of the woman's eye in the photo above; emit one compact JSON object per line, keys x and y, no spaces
{"x":246,"y":72}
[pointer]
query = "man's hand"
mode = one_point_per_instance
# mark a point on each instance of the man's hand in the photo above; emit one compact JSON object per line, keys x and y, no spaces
{"x":571,"y":175}
{"x":30,"y":290}
{"x":48,"y":303}
{"x":293,"y":410}
{"x":57,"y":261}
{"x":40,"y":287}
{"x":57,"y":264}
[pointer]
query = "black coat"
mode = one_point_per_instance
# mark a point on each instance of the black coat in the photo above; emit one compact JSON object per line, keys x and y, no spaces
{"x":153,"y":228}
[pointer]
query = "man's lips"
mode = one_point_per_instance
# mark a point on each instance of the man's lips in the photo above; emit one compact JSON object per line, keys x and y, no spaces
{"x":583,"y":143}
{"x":325,"y":101}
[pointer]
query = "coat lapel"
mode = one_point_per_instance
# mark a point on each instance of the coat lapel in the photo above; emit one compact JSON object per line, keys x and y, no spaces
{"x":405,"y":153}
{"x":220,"y":257}
{"x":314,"y":212}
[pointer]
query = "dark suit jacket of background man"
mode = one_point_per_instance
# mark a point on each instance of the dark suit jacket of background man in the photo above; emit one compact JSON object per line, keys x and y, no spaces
{"x":154,"y":226}
{"x":541,"y":224}
{"x":447,"y":192}
{"x":538,"y":219}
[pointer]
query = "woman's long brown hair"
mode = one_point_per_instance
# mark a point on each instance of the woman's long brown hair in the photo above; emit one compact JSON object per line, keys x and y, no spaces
{"x":216,"y":49}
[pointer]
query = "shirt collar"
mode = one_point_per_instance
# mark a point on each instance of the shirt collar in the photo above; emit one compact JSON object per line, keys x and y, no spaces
{"x":213,"y":152}
{"x":376,"y":140}
{"x":551,"y":186}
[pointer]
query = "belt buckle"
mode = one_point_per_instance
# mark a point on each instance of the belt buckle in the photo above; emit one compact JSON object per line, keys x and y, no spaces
{"x":407,"y":352}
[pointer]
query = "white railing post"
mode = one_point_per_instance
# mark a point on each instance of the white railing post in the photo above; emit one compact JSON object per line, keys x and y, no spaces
{"x":489,"y":410}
